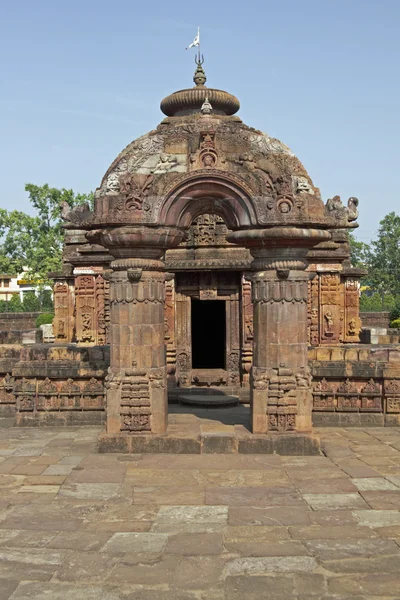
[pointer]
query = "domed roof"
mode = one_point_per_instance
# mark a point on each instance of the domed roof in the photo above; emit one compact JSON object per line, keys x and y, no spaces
{"x":201,"y":141}
{"x":190,"y":101}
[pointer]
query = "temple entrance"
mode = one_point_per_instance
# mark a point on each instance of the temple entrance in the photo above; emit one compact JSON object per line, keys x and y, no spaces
{"x":203,"y":317}
{"x":208,"y":334}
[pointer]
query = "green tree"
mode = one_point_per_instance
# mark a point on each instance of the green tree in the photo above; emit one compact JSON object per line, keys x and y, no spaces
{"x":383,"y":259}
{"x":36,"y":241}
{"x":358,"y":251}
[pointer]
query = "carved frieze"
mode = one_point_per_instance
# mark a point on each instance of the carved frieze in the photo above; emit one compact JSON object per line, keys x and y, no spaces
{"x":348,"y":396}
{"x":147,"y":290}
{"x":266,"y":290}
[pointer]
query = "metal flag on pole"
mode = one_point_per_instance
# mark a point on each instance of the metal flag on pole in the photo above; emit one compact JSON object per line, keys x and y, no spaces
{"x":196,"y":41}
{"x":196,"y":44}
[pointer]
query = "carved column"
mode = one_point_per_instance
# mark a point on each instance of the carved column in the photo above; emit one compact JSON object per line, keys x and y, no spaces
{"x":169,"y":326}
{"x":281,"y":382}
{"x":247,"y":327}
{"x":233,"y":340}
{"x":183,"y":340}
{"x":136,"y":384}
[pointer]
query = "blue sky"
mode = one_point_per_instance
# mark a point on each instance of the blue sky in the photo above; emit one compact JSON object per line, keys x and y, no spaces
{"x":81,"y":79}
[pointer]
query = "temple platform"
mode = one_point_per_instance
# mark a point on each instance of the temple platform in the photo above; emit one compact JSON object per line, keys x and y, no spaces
{"x":210,"y":430}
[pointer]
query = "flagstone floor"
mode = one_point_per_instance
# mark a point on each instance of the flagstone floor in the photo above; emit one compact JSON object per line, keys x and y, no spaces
{"x":77,"y":525}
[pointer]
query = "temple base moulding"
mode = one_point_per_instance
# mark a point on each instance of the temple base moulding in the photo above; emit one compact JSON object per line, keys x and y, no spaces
{"x":291,"y":444}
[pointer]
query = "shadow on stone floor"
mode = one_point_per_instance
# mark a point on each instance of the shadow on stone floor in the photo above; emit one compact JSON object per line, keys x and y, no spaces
{"x":228,"y":416}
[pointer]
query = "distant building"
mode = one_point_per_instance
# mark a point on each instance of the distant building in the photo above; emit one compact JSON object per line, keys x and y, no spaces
{"x":17,"y":284}
{"x":8,"y":286}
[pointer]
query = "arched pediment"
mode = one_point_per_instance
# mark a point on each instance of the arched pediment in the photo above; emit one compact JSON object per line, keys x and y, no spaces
{"x":208,"y":191}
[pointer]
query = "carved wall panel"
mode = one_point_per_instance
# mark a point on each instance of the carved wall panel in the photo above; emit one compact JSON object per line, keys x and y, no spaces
{"x":63,"y":323}
{"x":92,"y":309}
{"x":330,"y":312}
{"x":85,"y":307}
{"x":7,"y":390}
{"x":313,"y":310}
{"x":392,"y":395}
{"x":352,"y":322}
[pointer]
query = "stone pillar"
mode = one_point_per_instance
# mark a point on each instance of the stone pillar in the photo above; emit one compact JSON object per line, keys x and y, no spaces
{"x":136,"y":384}
{"x":281,"y":381}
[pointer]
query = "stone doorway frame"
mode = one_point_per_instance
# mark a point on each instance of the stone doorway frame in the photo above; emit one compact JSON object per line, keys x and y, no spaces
{"x":205,"y":287}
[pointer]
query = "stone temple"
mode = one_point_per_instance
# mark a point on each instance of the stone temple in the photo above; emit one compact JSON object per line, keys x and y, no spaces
{"x":209,"y":264}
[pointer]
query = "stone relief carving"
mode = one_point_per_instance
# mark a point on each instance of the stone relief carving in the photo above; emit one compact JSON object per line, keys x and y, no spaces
{"x":163,"y":163}
{"x":77,"y":214}
{"x":207,"y":230}
{"x":301,"y":185}
{"x":134,"y":188}
{"x":341,"y":213}
{"x":264,"y":144}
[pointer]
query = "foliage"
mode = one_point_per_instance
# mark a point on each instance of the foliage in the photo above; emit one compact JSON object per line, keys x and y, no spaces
{"x":15,"y":304}
{"x":35,"y":242}
{"x":384,"y":257}
{"x":395,"y":324}
{"x":358,"y":251}
{"x":44,"y":319}
{"x":31,"y":303}
{"x":395,"y":312}
{"x":376,"y":302}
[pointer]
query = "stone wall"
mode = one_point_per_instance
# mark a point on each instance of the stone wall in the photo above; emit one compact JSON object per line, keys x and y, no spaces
{"x":357,"y":386}
{"x":10,"y":321}
{"x":375,"y":319}
{"x":53,"y":385}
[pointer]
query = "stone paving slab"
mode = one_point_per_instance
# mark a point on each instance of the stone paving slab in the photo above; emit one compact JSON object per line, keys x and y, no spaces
{"x":75,"y":524}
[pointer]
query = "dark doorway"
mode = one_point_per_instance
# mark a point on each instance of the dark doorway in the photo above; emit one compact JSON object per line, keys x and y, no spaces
{"x":208,"y":334}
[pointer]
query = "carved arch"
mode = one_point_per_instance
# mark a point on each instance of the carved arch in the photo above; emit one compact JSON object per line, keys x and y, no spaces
{"x":206,"y":192}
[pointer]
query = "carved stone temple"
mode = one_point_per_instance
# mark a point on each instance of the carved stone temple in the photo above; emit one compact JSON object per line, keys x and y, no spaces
{"x":209,"y":262}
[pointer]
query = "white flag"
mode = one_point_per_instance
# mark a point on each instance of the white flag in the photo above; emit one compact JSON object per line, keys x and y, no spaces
{"x":196,"y":41}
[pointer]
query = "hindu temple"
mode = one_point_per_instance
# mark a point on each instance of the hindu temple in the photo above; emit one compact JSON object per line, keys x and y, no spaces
{"x":209,"y":266}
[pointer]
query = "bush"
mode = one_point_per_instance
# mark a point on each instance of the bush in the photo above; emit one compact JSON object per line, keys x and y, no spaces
{"x":30,"y":302}
{"x":15,"y":304}
{"x":395,"y":312}
{"x":44,"y":319}
{"x":395,"y":324}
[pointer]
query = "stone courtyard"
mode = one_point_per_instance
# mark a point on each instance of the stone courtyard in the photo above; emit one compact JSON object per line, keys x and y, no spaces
{"x":76,"y":524}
